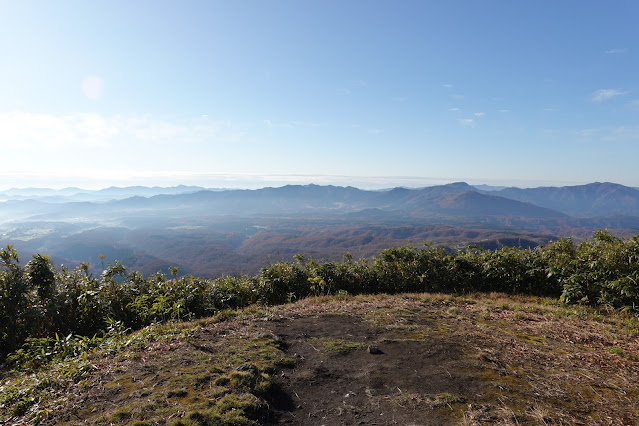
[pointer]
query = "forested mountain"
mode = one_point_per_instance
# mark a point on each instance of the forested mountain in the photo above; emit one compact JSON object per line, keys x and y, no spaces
{"x":591,"y":200}
{"x":436,"y":201}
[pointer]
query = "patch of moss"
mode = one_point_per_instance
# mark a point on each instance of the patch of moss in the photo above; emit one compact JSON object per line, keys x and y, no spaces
{"x":222,"y":381}
{"x":419,"y":335}
{"x":121,"y":414}
{"x":337,"y":346}
{"x":243,"y":381}
{"x":202,"y":379}
{"x":286,"y":362}
{"x":511,"y":390}
{"x":216,"y":370}
{"x":453,"y":311}
{"x":177,"y":393}
{"x":443,"y":328}
{"x":450,"y":398}
{"x":617,"y":350}
{"x":530,"y":339}
{"x":232,"y":409}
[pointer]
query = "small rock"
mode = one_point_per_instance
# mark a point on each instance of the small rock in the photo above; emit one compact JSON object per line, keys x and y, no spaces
{"x":374,"y":350}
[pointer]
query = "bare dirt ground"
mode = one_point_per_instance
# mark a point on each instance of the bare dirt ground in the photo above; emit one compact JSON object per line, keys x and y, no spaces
{"x":454,"y":362}
{"x":435,"y":360}
{"x":359,"y":387}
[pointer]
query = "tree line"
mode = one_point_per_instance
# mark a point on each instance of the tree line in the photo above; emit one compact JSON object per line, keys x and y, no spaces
{"x":39,"y":303}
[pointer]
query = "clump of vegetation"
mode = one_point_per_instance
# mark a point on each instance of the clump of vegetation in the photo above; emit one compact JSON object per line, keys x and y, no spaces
{"x":337,"y":346}
{"x":450,"y":399}
{"x":191,"y":382}
{"x":39,"y":303}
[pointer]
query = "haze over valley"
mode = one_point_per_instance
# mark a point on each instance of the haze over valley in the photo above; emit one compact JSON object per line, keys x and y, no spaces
{"x":233,"y":232}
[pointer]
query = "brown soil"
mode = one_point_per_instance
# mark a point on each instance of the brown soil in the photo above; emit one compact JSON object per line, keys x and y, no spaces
{"x":443,"y":360}
{"x":456,"y":361}
{"x":358,"y":387}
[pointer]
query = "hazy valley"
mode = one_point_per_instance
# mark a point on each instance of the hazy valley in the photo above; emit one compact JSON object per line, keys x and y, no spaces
{"x":232,"y":232}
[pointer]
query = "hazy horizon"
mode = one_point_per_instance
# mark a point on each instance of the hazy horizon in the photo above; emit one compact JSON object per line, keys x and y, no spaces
{"x":258,"y":182}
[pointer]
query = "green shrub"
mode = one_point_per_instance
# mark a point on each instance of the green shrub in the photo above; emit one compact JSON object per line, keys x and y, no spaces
{"x":39,"y":303}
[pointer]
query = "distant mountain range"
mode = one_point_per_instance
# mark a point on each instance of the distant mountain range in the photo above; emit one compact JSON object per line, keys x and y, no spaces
{"x":210,"y":232}
{"x":455,"y":200}
{"x":106,"y":194}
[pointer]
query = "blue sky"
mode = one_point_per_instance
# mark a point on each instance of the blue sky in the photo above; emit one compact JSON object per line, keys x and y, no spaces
{"x":366,"y":93}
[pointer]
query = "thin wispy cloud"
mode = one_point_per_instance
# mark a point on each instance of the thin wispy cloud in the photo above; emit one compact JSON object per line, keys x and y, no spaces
{"x":290,"y":124}
{"x":296,"y":123}
{"x":606,"y":94}
{"x":616,"y":51}
{"x":587,"y":132}
{"x":467,"y":122}
{"x":33,"y":131}
{"x":279,"y":125}
{"x":626,"y":134}
{"x":375,"y":131}
{"x":617,"y":134}
{"x":504,"y":110}
{"x":447,"y":86}
{"x":479,"y":114}
{"x":453,"y":109}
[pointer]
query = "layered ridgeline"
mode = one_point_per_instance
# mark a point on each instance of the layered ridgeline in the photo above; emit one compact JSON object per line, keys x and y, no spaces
{"x":214,"y":232}
{"x":455,"y":199}
{"x":593,"y":200}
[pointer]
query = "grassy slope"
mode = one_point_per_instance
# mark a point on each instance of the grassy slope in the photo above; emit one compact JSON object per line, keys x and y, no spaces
{"x":485,"y":358}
